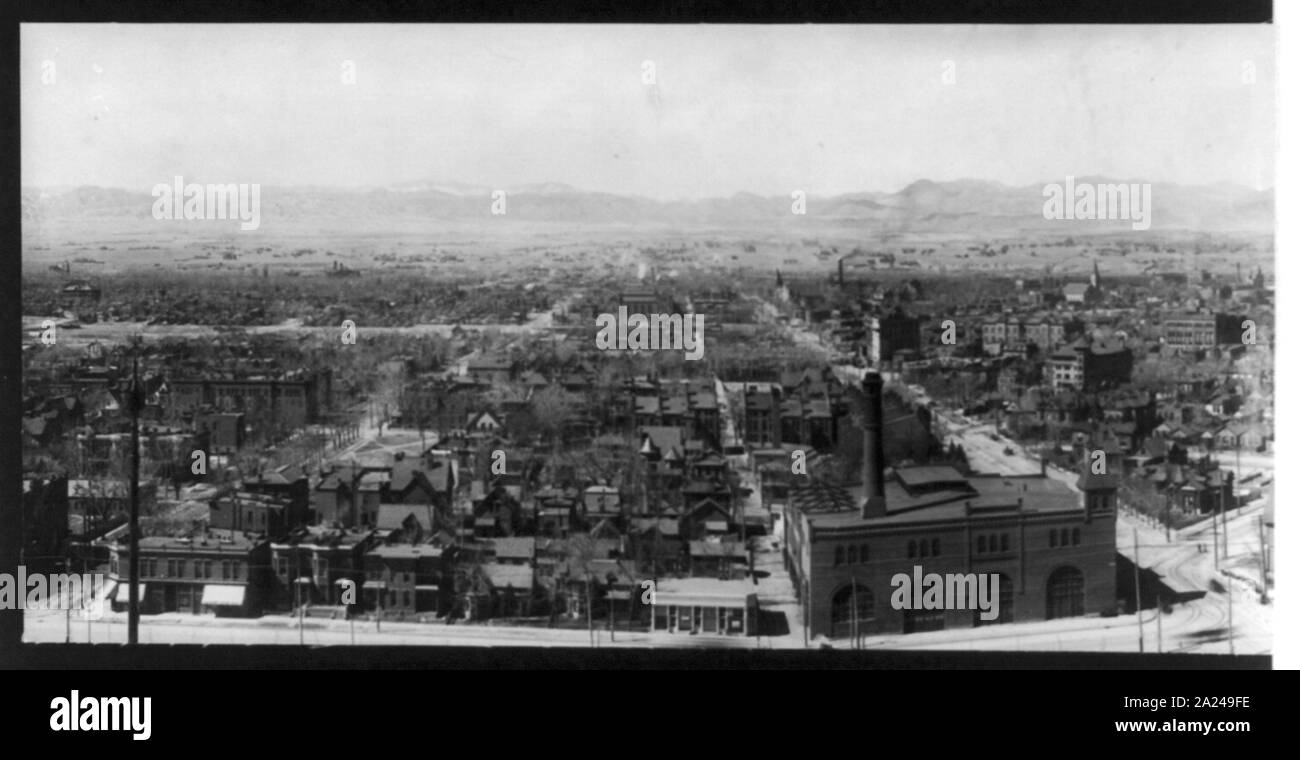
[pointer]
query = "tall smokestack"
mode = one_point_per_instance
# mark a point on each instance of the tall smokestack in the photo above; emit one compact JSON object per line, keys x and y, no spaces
{"x":873,"y":449}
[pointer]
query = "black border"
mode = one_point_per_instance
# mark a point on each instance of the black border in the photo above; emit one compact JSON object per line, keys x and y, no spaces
{"x":662,"y":11}
{"x":15,"y":654}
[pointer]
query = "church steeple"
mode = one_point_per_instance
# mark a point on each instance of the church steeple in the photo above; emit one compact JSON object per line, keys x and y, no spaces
{"x":1096,"y":275}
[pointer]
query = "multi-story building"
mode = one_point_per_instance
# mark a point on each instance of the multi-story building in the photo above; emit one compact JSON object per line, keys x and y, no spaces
{"x":1053,"y":551}
{"x":294,"y":398}
{"x":219,"y":571}
{"x":225,"y":430}
{"x":247,"y":511}
{"x":1106,"y":365}
{"x":1096,"y":366}
{"x":691,"y":405}
{"x":313,"y":565}
{"x":1045,"y":333}
{"x":895,"y":332}
{"x":439,"y":403}
{"x":405,"y":580}
{"x":287,"y":483}
{"x":1005,"y":333}
{"x":1191,"y":331}
{"x":1064,"y":370}
{"x":762,"y":423}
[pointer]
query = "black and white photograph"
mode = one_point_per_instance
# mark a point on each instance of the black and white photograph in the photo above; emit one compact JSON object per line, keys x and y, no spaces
{"x":648,"y":341}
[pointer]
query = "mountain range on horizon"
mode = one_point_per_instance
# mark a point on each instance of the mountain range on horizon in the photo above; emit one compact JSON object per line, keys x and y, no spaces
{"x":980,"y":206}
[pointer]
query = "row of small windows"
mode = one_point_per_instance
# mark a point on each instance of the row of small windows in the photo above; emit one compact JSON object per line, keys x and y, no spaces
{"x":855,"y":554}
{"x":179,"y":568}
{"x":984,"y":544}
{"x":1063,"y":537}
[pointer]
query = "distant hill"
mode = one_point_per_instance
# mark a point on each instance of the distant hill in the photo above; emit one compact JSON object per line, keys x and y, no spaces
{"x":975,"y":206}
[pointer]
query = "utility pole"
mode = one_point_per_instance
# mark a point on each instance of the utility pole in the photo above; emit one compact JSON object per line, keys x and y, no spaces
{"x":1137,"y":588}
{"x":591,"y":633}
{"x":1168,"y":539}
{"x":1214,"y":522}
{"x":1224,"y":508}
{"x":1238,"y":473}
{"x":855,"y":612}
{"x":1232,"y":649}
{"x":297,"y":598}
{"x":1263,"y":562}
{"x":1160,"y":635}
{"x":806,"y":607}
{"x":133,"y":583}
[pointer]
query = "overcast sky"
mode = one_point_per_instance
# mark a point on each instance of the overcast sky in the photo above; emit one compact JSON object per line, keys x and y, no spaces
{"x":760,"y":109}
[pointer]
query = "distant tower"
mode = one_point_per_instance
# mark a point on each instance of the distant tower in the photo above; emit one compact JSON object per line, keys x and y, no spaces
{"x":1099,"y":489}
{"x":841,"y":265}
{"x":1096,"y":276}
{"x":779,"y":283}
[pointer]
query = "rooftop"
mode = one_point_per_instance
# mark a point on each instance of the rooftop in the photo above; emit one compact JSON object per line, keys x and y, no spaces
{"x":705,"y":592}
{"x":832,"y":506}
{"x":404,"y":551}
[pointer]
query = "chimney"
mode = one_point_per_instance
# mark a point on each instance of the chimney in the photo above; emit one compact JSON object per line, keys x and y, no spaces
{"x":873,"y":449}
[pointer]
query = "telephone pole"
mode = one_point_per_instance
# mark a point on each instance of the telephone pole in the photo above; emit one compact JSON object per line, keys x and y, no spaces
{"x":1263,"y":561}
{"x":1232,"y":649}
{"x":1160,"y":635}
{"x":297,"y":597}
{"x":1137,"y":588}
{"x":855,"y":613}
{"x":1214,"y":522}
{"x":133,"y":583}
{"x":1224,"y":509}
{"x":1167,"y":516}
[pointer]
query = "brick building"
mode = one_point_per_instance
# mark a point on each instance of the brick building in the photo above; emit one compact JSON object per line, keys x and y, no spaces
{"x":894,"y":332}
{"x":1054,"y":552}
{"x":251,"y":512}
{"x":403,"y":580}
{"x":295,"y":398}
{"x":219,"y":571}
{"x":1191,"y":331}
{"x":311,"y":565}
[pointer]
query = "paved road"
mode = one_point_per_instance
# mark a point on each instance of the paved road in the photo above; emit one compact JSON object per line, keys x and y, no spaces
{"x":177,"y":628}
